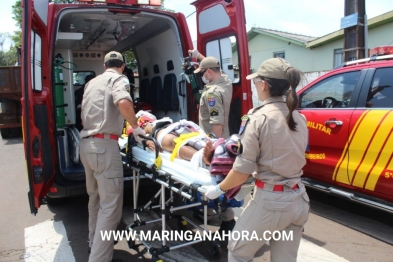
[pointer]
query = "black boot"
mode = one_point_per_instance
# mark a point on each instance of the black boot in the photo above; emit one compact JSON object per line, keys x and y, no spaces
{"x":227,"y":227}
{"x":198,"y":215}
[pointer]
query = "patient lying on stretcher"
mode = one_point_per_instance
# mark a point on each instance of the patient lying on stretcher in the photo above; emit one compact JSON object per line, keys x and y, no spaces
{"x":184,"y":139}
{"x":188,"y":141}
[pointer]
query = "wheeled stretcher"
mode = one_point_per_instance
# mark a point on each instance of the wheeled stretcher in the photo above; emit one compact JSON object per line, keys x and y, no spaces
{"x":181,"y":178}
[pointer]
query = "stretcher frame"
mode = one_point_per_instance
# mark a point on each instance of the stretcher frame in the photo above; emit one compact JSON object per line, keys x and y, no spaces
{"x":141,"y":170}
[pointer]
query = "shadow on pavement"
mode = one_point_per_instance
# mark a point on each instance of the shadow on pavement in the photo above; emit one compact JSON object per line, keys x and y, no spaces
{"x":13,"y":141}
{"x":364,"y":219}
{"x":74,"y":215}
{"x":73,"y":212}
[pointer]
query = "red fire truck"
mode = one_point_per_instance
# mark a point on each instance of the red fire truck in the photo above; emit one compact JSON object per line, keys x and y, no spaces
{"x":350,"y":123}
{"x":62,"y":43}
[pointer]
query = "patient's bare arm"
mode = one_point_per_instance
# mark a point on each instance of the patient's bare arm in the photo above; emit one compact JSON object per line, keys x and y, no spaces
{"x":150,"y":145}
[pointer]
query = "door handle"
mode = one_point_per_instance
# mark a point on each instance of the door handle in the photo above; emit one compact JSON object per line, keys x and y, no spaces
{"x":333,"y":123}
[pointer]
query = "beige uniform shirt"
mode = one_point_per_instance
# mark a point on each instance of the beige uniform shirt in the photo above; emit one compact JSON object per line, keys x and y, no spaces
{"x":100,"y":113}
{"x":214,"y":105}
{"x":271,"y":152}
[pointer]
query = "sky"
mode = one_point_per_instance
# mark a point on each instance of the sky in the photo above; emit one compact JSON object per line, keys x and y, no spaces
{"x":306,"y":17}
{"x":7,"y":24}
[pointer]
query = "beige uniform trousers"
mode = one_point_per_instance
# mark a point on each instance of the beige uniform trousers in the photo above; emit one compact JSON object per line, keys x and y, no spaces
{"x":104,"y":183}
{"x":270,"y":211}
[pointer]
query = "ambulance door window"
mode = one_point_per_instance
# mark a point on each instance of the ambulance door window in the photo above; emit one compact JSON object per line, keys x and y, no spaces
{"x":212,"y":19}
{"x":333,"y":92}
{"x":36,"y":69}
{"x":380,"y":94}
{"x":80,"y":76}
{"x":222,"y":50}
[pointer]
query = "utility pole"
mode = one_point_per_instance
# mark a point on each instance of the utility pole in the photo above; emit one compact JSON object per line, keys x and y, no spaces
{"x":354,"y":42}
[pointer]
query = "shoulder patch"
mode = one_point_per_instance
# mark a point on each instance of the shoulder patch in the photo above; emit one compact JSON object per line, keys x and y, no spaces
{"x":245,"y":120}
{"x":127,"y":83}
{"x":239,"y":147}
{"x":211,"y":99}
{"x":213,"y":112}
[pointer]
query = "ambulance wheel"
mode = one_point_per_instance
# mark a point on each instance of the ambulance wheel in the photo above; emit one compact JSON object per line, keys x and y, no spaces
{"x":53,"y":201}
{"x":215,"y":249}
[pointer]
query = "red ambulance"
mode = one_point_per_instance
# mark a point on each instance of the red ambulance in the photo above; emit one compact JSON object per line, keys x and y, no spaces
{"x":63,"y":43}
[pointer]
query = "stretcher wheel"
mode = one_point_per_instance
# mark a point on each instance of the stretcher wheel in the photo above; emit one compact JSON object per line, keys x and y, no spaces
{"x":181,"y":224}
{"x":156,"y":259}
{"x":131,"y":243}
{"x":215,"y":249}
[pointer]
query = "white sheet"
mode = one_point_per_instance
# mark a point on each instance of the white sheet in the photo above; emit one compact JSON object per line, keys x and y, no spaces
{"x":184,"y":171}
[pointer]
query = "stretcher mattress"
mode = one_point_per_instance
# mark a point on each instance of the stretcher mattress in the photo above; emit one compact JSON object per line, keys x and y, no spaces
{"x":181,"y":170}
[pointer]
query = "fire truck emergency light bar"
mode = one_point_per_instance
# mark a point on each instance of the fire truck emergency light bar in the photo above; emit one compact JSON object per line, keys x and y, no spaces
{"x":377,"y":53}
{"x":127,"y":2}
{"x":382,"y":50}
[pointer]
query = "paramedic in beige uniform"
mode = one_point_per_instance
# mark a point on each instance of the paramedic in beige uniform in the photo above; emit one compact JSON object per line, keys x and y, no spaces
{"x":106,"y":103}
{"x":273,"y":140}
{"x":215,"y":99}
{"x":214,"y":114}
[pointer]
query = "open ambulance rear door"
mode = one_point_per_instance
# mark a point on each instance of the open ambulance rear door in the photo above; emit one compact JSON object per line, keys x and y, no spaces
{"x":221,"y":32}
{"x":37,"y":108}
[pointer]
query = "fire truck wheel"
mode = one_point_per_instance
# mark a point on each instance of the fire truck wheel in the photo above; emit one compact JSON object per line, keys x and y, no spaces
{"x":5,"y":133}
{"x":11,"y":132}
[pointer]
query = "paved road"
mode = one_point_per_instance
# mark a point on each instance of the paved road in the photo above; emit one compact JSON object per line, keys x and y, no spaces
{"x":336,"y":231}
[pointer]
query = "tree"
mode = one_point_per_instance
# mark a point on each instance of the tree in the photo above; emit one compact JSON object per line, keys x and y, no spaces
{"x":7,"y":57}
{"x":3,"y":38}
{"x":17,"y":16}
{"x":162,"y":7}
